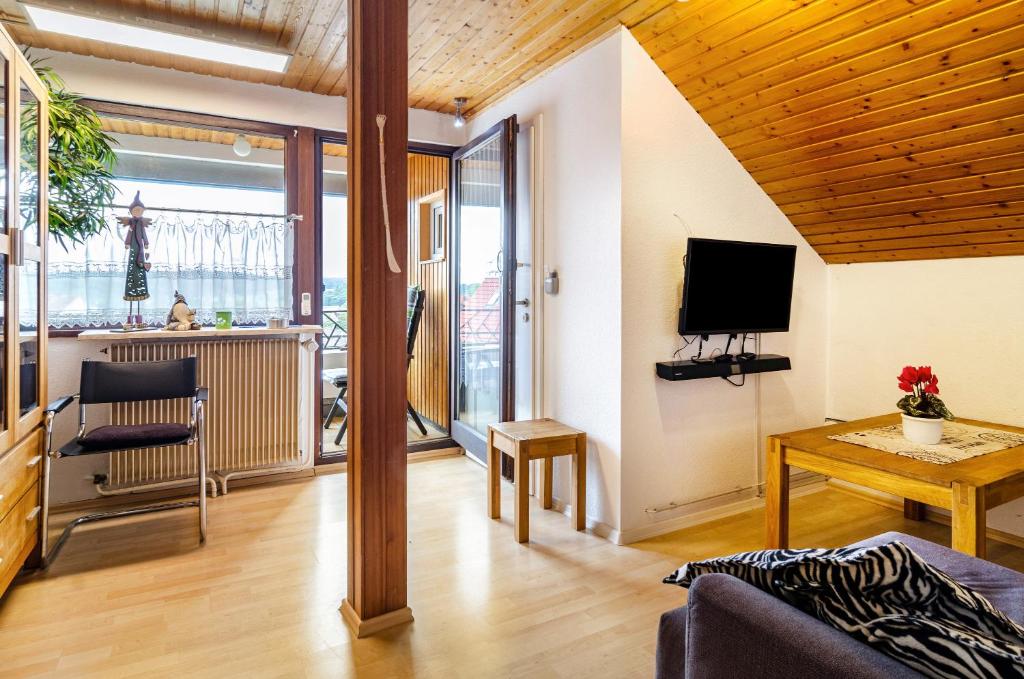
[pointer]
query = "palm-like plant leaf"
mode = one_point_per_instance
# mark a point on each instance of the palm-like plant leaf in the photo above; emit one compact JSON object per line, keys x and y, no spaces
{"x":82,"y":160}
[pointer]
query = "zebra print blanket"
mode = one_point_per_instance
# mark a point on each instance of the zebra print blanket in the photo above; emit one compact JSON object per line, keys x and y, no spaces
{"x":889,"y":598}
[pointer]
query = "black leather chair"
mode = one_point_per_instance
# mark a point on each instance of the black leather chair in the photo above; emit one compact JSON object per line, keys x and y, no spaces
{"x":124,"y":382}
{"x":339,"y":376}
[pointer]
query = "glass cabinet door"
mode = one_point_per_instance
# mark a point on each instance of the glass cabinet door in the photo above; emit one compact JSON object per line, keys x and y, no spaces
{"x":7,"y":124}
{"x":29,"y":273}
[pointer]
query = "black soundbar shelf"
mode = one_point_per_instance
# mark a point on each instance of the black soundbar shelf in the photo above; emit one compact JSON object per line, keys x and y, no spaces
{"x":689,"y":370}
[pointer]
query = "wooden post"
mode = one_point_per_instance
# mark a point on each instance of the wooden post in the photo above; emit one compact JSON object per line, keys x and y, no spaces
{"x":378,"y":84}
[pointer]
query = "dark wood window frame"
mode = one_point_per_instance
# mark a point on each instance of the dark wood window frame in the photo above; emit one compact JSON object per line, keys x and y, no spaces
{"x":289,"y":133}
{"x":311,"y":259}
{"x":303,"y":167}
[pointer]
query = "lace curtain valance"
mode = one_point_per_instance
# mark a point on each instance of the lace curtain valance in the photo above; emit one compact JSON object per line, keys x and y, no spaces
{"x":219,"y":262}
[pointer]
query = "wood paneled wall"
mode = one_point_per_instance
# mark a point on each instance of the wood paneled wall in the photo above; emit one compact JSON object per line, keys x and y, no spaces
{"x":428,"y":374}
{"x":885,"y":130}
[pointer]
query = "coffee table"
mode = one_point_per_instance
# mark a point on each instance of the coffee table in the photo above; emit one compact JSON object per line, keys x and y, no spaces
{"x":966,"y":488}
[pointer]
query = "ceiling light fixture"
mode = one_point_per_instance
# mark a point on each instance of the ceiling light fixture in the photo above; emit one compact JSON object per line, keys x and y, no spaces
{"x":103,"y":30}
{"x":460,"y":119}
{"x":242,"y":147}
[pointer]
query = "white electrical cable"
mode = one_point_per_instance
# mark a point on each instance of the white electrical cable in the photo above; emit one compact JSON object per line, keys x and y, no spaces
{"x":392,"y":262}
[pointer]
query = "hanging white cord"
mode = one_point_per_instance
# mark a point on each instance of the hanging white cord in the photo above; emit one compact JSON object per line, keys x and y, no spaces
{"x":392,"y":262}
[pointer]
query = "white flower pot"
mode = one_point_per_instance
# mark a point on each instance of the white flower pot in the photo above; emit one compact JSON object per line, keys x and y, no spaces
{"x":924,"y":430}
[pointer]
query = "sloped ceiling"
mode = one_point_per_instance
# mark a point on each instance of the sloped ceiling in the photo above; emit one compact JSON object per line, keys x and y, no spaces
{"x":885,"y":129}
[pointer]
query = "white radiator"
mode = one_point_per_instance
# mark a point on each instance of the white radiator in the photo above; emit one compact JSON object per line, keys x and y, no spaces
{"x":252,"y":417}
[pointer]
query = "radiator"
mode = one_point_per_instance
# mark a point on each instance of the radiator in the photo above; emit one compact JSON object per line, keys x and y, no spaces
{"x":252,"y":417}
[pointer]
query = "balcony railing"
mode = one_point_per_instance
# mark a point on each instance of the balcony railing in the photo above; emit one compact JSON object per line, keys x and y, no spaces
{"x":335,"y":328}
{"x":480,"y":325}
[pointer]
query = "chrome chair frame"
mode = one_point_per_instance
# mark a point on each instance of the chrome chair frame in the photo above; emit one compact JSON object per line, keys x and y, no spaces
{"x":196,"y":436}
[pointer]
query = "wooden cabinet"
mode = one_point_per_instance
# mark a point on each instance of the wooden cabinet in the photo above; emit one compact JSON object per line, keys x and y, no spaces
{"x":23,"y":231}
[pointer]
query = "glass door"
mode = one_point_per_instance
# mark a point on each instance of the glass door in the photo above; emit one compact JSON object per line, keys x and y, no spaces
{"x":8,"y":130}
{"x":333,"y":355}
{"x":28,"y":256}
{"x":483,"y":246}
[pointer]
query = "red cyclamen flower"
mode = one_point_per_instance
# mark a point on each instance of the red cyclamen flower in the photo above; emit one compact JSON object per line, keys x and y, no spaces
{"x":909,"y":374}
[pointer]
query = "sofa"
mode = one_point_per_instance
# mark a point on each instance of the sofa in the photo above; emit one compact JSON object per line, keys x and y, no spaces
{"x":731,"y":629}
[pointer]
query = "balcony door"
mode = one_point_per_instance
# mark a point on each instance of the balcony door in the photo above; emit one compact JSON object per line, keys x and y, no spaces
{"x":483,"y":286}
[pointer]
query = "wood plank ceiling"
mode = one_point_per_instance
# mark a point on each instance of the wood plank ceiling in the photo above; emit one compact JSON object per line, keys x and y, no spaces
{"x":884,"y":129}
{"x":480,"y":49}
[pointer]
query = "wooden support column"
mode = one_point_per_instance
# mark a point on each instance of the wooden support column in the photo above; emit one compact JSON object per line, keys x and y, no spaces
{"x":378,"y":84}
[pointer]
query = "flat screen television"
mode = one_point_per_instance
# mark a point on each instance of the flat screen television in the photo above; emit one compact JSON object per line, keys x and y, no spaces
{"x":731,"y":287}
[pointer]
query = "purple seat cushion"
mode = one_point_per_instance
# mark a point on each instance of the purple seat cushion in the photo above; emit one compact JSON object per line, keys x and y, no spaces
{"x":123,"y":436}
{"x":1002,"y":586}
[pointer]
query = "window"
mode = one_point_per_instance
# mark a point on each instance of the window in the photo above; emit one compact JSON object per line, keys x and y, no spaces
{"x":217,"y":230}
{"x":432,"y":226}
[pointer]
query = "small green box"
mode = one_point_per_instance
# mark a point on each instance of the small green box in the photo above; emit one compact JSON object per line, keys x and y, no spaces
{"x":223,"y":320}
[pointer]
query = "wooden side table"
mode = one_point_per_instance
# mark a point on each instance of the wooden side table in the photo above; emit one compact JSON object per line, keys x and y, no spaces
{"x":528,"y":440}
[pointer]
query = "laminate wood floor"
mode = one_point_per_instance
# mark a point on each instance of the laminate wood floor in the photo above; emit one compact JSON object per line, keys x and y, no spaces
{"x":138,"y":598}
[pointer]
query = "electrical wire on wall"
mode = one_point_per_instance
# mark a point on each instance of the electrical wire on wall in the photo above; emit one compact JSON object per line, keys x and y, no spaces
{"x":758,"y":429}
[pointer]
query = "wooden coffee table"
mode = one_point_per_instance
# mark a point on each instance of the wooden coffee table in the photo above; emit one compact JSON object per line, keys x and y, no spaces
{"x":967,"y":488}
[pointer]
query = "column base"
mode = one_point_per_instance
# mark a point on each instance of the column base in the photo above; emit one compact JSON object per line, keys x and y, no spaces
{"x":364,"y":628}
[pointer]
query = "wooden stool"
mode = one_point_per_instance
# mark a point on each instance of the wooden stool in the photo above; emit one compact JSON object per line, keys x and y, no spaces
{"x":535,"y":440}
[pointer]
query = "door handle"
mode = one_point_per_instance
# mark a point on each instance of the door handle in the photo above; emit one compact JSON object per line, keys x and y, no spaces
{"x":34,"y":461}
{"x":33,"y":514}
{"x":523,"y":302}
{"x":17,"y":245}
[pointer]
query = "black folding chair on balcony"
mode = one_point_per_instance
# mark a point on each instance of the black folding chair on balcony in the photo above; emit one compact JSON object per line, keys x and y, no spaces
{"x":338,"y":377}
{"x":125,"y":382}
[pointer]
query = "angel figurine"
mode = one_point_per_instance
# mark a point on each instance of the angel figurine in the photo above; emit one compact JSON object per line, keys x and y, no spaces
{"x":136,"y":285}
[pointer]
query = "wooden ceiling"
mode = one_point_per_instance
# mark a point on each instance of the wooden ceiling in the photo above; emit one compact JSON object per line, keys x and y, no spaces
{"x":480,"y":49}
{"x":884,"y":129}
{"x":145,"y":128}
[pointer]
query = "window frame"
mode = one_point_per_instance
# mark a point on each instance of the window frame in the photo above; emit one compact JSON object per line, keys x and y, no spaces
{"x":292,"y":186}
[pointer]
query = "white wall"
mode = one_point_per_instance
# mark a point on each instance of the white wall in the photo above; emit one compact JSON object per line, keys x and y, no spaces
{"x":964,"y":317}
{"x":580,"y":103}
{"x":151,"y":86}
{"x":685,"y":441}
{"x":623,"y":153}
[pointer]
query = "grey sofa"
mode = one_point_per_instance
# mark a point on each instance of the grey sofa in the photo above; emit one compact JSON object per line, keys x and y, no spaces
{"x":731,"y":629}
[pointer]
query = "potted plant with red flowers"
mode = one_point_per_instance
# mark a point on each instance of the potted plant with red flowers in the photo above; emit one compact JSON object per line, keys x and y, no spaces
{"x":923,"y":410}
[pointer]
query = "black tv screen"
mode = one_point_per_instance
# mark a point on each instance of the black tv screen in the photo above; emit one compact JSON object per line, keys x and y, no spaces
{"x":734,"y":287}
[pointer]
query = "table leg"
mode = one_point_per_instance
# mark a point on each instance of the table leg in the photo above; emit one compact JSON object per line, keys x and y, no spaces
{"x":776,"y":498}
{"x":493,"y":478}
{"x":547,"y":467}
{"x":579,"y":484}
{"x":969,"y":519}
{"x":522,"y":499}
{"x":913,"y":510}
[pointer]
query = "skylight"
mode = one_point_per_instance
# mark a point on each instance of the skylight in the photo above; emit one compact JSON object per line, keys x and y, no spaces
{"x":102,"y":30}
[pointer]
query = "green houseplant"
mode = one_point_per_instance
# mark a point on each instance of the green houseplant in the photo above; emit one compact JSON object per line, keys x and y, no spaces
{"x":81,"y":163}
